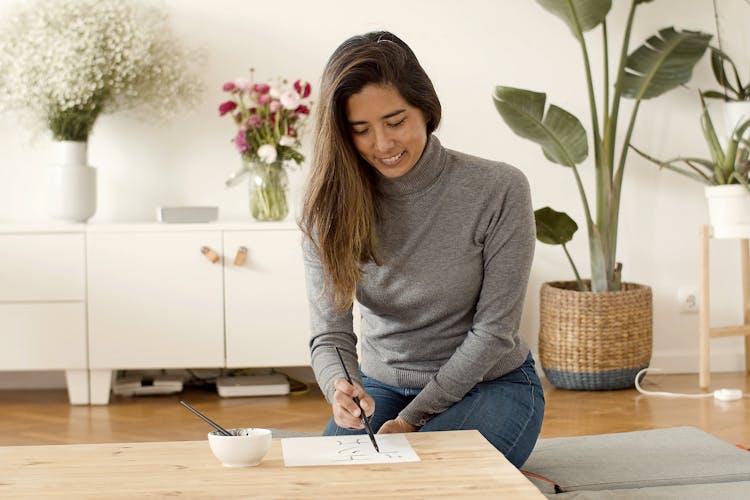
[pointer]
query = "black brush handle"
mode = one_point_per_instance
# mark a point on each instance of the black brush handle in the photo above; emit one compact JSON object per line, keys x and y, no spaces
{"x":213,"y":424}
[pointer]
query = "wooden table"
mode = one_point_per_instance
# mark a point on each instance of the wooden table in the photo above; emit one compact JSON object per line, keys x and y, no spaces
{"x":454,"y":464}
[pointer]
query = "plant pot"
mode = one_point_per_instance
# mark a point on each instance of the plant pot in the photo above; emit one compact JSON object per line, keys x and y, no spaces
{"x":594,"y":341}
{"x":70,"y":183}
{"x":728,"y":205}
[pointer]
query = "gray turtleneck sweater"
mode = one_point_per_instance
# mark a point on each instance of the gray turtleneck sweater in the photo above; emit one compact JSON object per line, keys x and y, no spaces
{"x":442,"y":312}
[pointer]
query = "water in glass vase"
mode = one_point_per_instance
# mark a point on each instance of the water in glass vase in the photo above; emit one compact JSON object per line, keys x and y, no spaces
{"x":268,"y":191}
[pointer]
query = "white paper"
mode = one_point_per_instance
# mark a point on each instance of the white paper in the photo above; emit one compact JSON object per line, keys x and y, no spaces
{"x":346,"y":450}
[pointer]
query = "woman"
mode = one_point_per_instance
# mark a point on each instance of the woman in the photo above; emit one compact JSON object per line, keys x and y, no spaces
{"x":435,"y":245}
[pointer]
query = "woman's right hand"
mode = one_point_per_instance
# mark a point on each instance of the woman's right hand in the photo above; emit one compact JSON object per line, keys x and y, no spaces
{"x":345,"y":410}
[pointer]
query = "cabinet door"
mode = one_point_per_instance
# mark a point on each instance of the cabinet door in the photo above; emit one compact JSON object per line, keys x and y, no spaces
{"x":267,"y":319}
{"x":42,"y":309}
{"x":155,"y":301}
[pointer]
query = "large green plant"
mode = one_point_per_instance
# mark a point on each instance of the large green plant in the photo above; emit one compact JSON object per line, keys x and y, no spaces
{"x":663,"y":62}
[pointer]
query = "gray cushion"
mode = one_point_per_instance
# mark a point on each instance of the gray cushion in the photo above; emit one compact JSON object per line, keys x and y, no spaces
{"x":715,"y":491}
{"x":641,"y":459}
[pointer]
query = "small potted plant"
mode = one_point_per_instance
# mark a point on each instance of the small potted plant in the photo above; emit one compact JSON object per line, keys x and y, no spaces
{"x":726,"y":174}
{"x":270,"y":119}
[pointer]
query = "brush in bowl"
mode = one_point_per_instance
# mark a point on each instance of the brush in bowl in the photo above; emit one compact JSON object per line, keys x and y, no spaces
{"x":244,"y":448}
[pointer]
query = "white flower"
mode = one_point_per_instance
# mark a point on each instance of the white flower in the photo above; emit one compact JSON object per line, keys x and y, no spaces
{"x":243,"y":83}
{"x":267,"y":153}
{"x":274,"y":92}
{"x":287,"y":140}
{"x":290,"y":99}
{"x":80,"y":58}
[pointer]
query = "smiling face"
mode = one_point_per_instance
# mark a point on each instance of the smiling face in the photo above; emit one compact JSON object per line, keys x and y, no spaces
{"x":388,"y":133}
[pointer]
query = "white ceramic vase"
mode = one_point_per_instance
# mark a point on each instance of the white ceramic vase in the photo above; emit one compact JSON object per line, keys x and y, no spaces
{"x":71,"y":183}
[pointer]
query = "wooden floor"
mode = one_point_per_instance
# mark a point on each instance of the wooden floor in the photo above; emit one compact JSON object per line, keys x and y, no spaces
{"x":45,"y":417}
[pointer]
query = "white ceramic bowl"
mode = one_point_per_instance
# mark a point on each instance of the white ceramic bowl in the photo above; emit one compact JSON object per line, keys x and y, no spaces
{"x":244,"y":448}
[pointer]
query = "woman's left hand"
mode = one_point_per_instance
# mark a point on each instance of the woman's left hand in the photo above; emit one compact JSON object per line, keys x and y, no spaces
{"x":397,"y":425}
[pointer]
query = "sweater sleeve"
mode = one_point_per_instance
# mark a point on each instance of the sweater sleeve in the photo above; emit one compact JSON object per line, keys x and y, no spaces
{"x":508,"y":251}
{"x":329,"y":328}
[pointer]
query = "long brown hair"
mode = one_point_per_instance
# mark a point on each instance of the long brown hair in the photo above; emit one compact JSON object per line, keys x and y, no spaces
{"x":341,"y":206}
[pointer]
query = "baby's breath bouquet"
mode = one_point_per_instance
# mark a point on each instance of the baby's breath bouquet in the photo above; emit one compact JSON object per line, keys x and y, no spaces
{"x":65,"y":62}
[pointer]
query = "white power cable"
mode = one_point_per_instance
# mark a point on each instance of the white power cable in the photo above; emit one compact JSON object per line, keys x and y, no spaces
{"x":720,"y":394}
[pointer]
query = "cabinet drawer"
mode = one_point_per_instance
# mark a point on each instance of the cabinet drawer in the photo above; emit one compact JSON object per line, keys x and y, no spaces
{"x":43,"y":336}
{"x":42,"y":267}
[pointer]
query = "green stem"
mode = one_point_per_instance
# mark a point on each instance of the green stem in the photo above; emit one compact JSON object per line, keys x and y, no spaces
{"x":581,"y":285}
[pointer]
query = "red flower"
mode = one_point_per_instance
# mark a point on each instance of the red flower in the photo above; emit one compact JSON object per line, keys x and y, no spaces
{"x":302,"y":110}
{"x":226,"y":107}
{"x":302,"y":88}
{"x":261,"y":88}
{"x":228,"y":87}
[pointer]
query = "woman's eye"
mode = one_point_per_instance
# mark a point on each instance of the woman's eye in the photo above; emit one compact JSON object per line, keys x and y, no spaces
{"x":359,"y":132}
{"x":394,"y":125}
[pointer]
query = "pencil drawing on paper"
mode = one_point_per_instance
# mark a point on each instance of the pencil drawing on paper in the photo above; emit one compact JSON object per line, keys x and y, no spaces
{"x":346,"y":450}
{"x":357,"y":449}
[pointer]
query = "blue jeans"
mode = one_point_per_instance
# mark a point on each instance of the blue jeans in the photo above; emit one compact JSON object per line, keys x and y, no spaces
{"x":507,"y":411}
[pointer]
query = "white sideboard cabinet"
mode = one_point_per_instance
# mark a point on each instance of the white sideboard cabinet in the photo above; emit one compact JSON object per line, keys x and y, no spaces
{"x":43,"y":303}
{"x":151,"y":296}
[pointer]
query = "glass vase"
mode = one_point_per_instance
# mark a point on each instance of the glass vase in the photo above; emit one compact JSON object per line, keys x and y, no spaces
{"x":268,"y":191}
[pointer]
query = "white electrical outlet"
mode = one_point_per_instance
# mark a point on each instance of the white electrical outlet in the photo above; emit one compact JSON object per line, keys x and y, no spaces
{"x":687,"y":299}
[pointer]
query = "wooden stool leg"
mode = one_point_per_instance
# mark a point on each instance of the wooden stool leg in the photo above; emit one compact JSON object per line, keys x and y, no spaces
{"x":704,"y":372}
{"x":745,"y":256}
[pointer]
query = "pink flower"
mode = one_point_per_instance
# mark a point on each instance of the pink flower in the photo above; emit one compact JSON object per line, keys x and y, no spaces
{"x":302,"y":110}
{"x":228,"y":87}
{"x":264,"y":99}
{"x":241,"y":142}
{"x":274,"y":106}
{"x":302,"y":88}
{"x":226,"y":107}
{"x":289,"y":99}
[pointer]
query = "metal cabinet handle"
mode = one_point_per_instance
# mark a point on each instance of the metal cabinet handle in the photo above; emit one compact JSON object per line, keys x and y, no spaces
{"x":210,"y":254}
{"x":239,"y":259}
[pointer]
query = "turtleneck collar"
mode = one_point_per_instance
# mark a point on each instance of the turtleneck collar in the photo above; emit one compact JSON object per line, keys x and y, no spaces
{"x":427,"y":169}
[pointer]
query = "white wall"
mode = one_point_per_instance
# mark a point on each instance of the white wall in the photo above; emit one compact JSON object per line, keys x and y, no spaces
{"x":467,"y":48}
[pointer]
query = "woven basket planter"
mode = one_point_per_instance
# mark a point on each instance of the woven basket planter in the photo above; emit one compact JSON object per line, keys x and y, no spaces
{"x":594,"y":341}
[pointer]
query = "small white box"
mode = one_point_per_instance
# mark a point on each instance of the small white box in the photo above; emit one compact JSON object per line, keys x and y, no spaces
{"x":186,"y":215}
{"x":252,"y":385}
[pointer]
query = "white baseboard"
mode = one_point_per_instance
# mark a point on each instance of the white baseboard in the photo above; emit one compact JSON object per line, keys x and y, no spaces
{"x":671,"y":361}
{"x":687,"y":361}
{"x":32,"y":380}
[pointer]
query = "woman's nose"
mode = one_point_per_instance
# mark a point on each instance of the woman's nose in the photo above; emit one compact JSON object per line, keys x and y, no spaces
{"x":383,"y":141}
